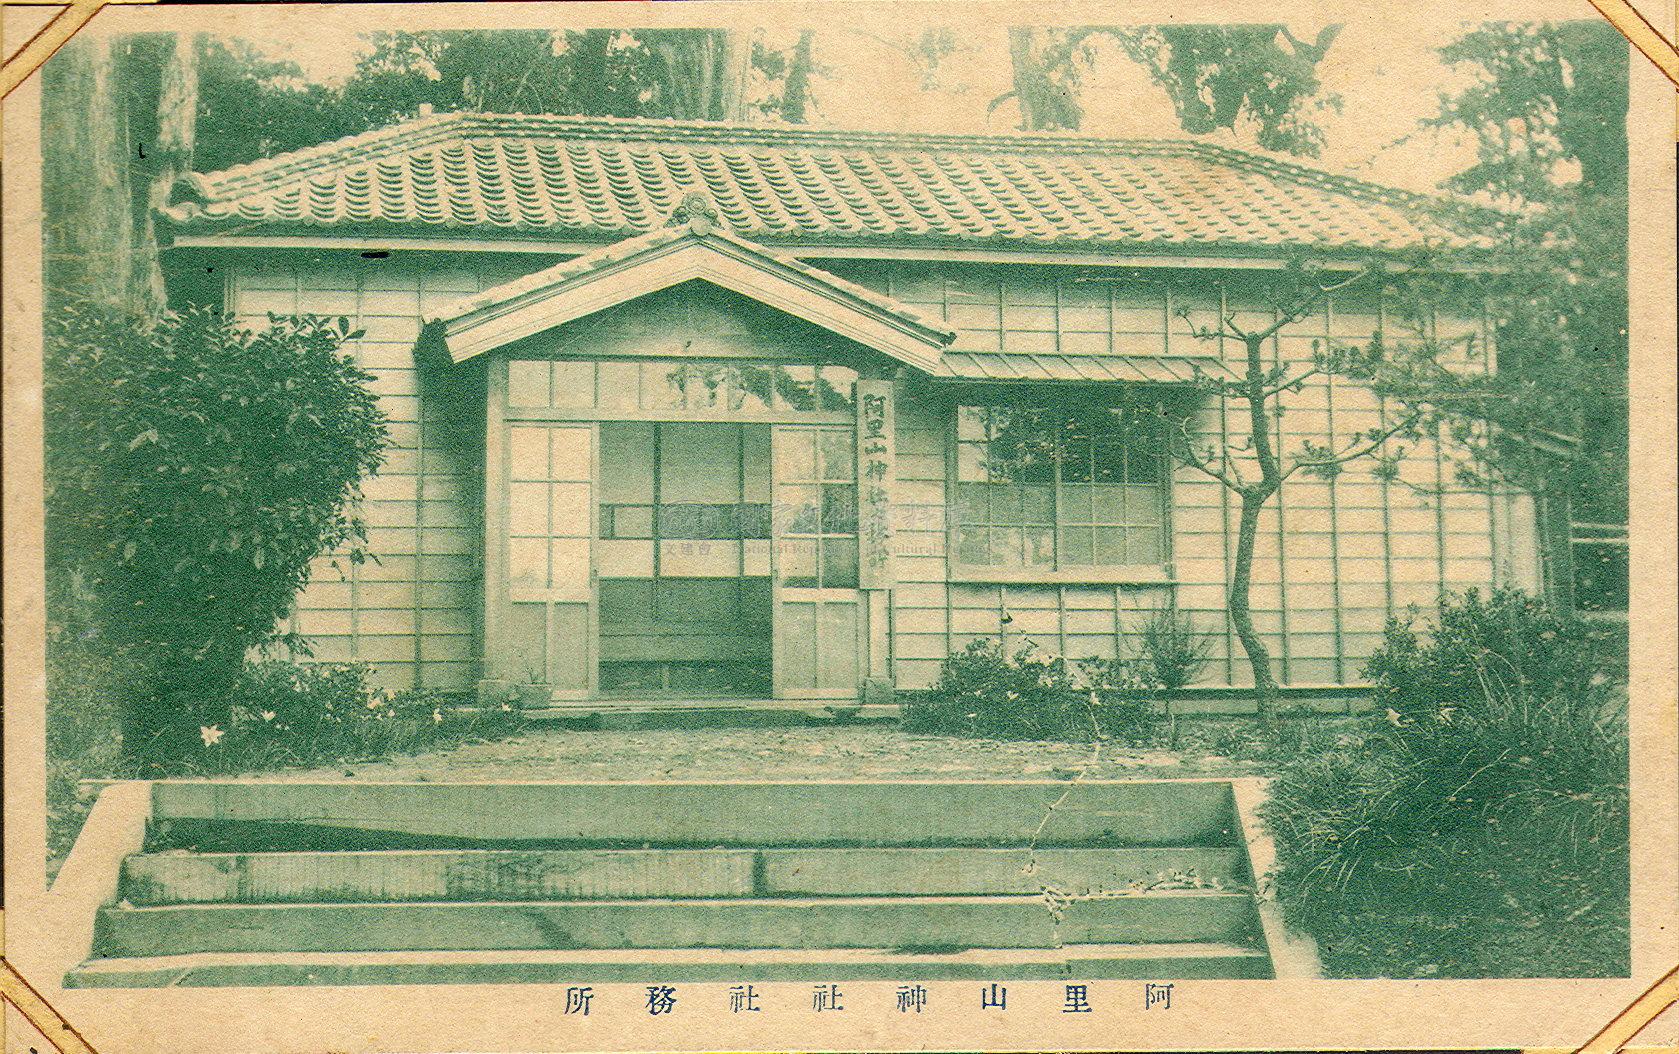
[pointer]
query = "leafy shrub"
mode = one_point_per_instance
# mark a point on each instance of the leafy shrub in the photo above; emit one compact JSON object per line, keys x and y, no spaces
{"x":284,"y":714}
{"x":986,"y":691}
{"x":194,"y":469}
{"x":1174,"y":652}
{"x":288,"y":714}
{"x":1504,"y":641}
{"x":1488,"y":801}
{"x":84,"y":736}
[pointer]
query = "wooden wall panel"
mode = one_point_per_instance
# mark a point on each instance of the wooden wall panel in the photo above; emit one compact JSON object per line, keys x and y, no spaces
{"x":1335,"y":561}
{"x":1336,"y":558}
{"x":411,"y":611}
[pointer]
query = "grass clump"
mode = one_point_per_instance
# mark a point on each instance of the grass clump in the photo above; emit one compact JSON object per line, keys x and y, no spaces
{"x":1479,"y":826}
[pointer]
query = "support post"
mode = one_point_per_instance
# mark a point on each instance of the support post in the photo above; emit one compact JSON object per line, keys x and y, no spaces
{"x":876,"y":473}
{"x":495,"y":671}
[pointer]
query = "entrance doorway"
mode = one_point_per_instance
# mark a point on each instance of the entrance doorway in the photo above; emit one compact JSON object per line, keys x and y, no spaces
{"x":686,"y":595}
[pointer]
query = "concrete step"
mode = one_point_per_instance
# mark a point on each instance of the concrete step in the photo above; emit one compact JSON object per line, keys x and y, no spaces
{"x":1092,"y":962}
{"x":153,"y":879}
{"x":235,"y":815}
{"x":929,"y":923}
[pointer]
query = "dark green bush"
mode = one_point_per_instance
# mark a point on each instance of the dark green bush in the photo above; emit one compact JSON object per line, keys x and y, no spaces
{"x":986,"y":691}
{"x":1503,"y":641}
{"x":1483,"y":813}
{"x":194,"y":470}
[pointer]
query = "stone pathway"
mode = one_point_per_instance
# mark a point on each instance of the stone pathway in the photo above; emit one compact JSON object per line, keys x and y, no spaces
{"x":801,"y":753}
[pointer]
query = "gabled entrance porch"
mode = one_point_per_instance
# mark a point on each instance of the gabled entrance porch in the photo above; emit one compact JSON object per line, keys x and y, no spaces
{"x":688,"y":459}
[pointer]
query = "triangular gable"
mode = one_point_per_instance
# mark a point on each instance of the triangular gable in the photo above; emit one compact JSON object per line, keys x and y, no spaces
{"x":694,"y":247}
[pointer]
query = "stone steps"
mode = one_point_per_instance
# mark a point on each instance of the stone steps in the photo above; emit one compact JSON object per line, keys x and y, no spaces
{"x":156,"y":879}
{"x":837,"y":922}
{"x":1092,"y":962}
{"x":231,"y":815}
{"x":249,"y":882}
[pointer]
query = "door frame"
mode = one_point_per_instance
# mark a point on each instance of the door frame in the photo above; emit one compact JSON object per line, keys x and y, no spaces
{"x":497,"y":649}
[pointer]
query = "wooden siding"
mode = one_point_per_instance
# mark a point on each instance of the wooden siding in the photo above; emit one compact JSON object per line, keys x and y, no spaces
{"x":1337,"y":558}
{"x":412,"y":612}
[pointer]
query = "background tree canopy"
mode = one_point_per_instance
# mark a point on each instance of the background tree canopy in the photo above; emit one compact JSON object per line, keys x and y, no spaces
{"x":1548,"y":113}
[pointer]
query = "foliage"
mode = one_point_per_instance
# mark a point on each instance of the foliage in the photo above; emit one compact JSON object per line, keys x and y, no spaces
{"x":1548,"y":112}
{"x":1500,"y":807}
{"x":1506,"y":638}
{"x":194,"y":470}
{"x":1218,"y":77}
{"x":282,"y":714}
{"x":84,"y":733}
{"x":251,"y":106}
{"x":1174,"y":652}
{"x":290,"y":714}
{"x":987,"y":691}
{"x":1546,"y":95}
{"x":1296,"y":731}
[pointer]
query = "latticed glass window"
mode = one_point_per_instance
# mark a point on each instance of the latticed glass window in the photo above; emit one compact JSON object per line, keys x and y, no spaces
{"x":816,"y":505}
{"x":1040,"y":488}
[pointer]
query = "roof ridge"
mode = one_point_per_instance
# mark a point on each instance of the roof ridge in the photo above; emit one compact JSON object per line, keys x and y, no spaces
{"x":404,"y":134}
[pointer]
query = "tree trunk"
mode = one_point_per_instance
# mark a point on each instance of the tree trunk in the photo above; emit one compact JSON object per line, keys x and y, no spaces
{"x":704,"y":72}
{"x":589,"y":87}
{"x":171,"y":156}
{"x":89,"y":214}
{"x":1044,"y":104}
{"x":795,"y":95}
{"x":1254,"y":496}
{"x":734,"y":61}
{"x":1241,"y":613}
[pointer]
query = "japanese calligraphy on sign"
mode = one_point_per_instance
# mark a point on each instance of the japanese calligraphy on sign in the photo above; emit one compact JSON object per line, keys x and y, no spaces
{"x":875,"y":456}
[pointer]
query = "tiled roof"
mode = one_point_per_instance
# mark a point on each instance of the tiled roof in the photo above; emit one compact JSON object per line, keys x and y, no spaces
{"x":605,"y":179}
{"x":1014,"y":368}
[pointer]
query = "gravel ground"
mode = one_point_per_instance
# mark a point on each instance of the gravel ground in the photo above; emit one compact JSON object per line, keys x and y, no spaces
{"x":799,"y":753}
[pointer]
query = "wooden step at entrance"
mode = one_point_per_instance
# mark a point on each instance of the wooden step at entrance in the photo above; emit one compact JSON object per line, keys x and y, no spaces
{"x":155,"y":879}
{"x":1091,"y":962}
{"x":847,"y":922}
{"x":233,"y":815}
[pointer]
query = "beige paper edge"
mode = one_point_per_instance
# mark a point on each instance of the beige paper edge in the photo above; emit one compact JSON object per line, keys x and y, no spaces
{"x":1207,"y":1015}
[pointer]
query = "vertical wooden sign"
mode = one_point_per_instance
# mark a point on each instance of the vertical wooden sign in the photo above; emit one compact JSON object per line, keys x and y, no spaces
{"x":875,"y":456}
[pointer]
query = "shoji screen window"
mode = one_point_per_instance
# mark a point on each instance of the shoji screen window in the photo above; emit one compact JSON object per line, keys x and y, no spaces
{"x":816,"y":506}
{"x":549,"y":506}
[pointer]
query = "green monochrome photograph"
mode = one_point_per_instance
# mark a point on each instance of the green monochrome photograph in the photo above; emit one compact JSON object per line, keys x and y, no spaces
{"x":795,"y":504}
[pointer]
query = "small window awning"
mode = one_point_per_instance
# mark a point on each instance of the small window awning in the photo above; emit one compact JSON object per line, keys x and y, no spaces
{"x":1056,"y":368}
{"x":692,"y":247}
